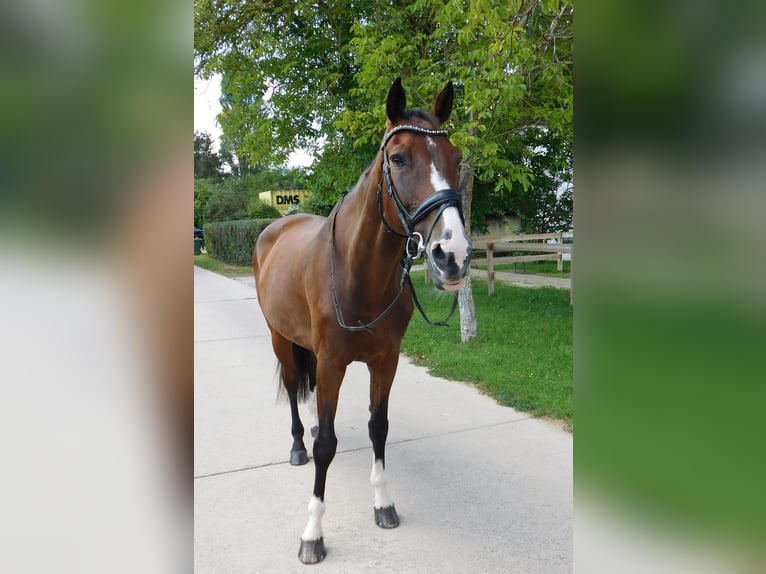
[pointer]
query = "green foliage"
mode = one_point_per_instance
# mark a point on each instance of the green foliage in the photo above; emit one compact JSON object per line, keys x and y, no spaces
{"x":318,"y":206}
{"x":512,"y":64}
{"x":260,"y":210}
{"x":296,"y":73}
{"x":227,"y":202}
{"x":237,"y":197}
{"x":233,"y":241}
{"x":203,"y":189}
{"x":338,"y":169}
{"x":264,"y":179}
{"x":207,"y":163}
{"x":285,"y":67}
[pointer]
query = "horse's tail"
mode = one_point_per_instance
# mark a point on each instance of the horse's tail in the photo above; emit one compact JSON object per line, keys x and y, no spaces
{"x":304,"y":367}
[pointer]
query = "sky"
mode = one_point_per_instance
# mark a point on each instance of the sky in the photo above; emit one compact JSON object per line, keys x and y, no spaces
{"x":207,"y":94}
{"x":207,"y":106}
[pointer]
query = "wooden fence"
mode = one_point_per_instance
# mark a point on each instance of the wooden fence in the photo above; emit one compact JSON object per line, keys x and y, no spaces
{"x":534,"y":243}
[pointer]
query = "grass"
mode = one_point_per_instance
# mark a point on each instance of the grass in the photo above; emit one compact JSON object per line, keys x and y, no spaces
{"x":522,"y":355}
{"x":207,"y":262}
{"x":546,"y":268}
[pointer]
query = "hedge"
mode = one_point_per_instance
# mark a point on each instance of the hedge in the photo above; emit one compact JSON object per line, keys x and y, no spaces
{"x":233,"y":241}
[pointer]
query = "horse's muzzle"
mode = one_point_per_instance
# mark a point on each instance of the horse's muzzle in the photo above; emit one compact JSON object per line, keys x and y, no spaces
{"x":448,"y":262}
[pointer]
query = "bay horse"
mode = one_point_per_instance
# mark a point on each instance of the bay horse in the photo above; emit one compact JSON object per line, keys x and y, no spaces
{"x":313,"y":274}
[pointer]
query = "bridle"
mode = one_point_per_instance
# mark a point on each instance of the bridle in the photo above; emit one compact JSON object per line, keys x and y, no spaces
{"x":440,"y":200}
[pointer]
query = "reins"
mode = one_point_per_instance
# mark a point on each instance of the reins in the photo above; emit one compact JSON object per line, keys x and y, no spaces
{"x":440,"y":200}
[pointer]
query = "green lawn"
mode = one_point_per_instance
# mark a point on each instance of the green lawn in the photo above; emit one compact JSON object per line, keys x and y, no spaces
{"x":207,"y":262}
{"x":522,"y":355}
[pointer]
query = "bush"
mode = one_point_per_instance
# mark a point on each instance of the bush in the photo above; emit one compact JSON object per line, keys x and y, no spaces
{"x":233,"y":241}
{"x":225,"y":204}
{"x":260,"y":210}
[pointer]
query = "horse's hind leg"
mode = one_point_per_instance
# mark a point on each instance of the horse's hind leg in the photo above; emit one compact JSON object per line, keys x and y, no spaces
{"x":295,"y":371}
{"x":381,"y":379}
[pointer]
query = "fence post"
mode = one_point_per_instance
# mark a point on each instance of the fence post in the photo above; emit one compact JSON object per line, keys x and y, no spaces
{"x":426,"y":276}
{"x":490,"y":269}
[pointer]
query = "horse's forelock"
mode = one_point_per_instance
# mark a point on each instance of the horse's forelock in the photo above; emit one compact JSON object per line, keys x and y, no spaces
{"x":417,"y":113}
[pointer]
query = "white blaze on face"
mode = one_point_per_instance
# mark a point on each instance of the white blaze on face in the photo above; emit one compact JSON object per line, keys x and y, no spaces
{"x":380,"y":485}
{"x":452,"y":225}
{"x":313,"y":530}
{"x":437,"y":180}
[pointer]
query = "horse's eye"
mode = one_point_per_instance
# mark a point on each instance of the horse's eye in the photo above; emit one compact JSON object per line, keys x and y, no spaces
{"x":398,"y":160}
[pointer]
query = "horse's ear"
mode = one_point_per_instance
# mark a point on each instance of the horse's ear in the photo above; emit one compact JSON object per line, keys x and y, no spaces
{"x":443,"y":105}
{"x":397,"y":101}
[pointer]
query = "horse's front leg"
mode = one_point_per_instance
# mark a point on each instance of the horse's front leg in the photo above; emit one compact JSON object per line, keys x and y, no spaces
{"x":381,"y":379}
{"x":329,"y":378}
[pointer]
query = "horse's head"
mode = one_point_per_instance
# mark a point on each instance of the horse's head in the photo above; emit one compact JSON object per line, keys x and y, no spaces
{"x":420,"y":167}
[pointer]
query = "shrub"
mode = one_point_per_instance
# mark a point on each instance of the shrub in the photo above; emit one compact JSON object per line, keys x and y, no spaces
{"x":260,"y":210}
{"x":225,"y":204}
{"x":233,"y":241}
{"x":318,"y":206}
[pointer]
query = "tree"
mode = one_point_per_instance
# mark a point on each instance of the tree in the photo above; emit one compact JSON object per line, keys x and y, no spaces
{"x":203,"y":189}
{"x":546,"y":206}
{"x":207,"y":163}
{"x":513,"y":64}
{"x":226,"y":203}
{"x":285,"y":67}
{"x":297,"y":72}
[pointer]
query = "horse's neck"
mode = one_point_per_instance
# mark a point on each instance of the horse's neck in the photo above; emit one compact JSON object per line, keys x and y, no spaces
{"x":370,"y":248}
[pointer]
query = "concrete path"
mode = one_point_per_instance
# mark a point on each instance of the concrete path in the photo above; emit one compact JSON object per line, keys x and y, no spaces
{"x":480,"y":488}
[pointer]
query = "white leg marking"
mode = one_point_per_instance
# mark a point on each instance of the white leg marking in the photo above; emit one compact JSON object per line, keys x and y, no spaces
{"x":313,"y":530}
{"x":312,"y":404}
{"x":380,"y":485}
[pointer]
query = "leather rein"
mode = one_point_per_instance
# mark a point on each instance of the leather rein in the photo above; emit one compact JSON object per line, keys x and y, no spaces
{"x":415,"y":244}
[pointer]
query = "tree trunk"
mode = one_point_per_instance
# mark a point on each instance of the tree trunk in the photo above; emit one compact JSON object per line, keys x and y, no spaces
{"x":467,"y":312}
{"x":468,"y":325}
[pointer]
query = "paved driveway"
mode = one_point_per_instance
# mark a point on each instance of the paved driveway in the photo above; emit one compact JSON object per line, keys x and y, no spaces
{"x":478,"y":487}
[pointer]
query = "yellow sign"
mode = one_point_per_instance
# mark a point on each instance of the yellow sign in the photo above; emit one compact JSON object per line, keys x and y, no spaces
{"x":283,"y":199}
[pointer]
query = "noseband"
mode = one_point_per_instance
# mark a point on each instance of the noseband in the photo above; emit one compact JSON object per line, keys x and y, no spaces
{"x":440,"y":200}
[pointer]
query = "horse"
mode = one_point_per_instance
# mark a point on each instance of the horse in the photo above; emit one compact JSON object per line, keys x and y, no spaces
{"x":331,"y":289}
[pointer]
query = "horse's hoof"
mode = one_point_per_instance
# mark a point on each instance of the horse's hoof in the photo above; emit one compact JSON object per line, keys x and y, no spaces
{"x":386,"y":517}
{"x":312,"y":551}
{"x":298,"y":457}
{"x":314,"y":431}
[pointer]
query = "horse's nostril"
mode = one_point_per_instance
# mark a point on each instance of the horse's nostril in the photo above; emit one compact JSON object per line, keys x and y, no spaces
{"x":438,"y":253}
